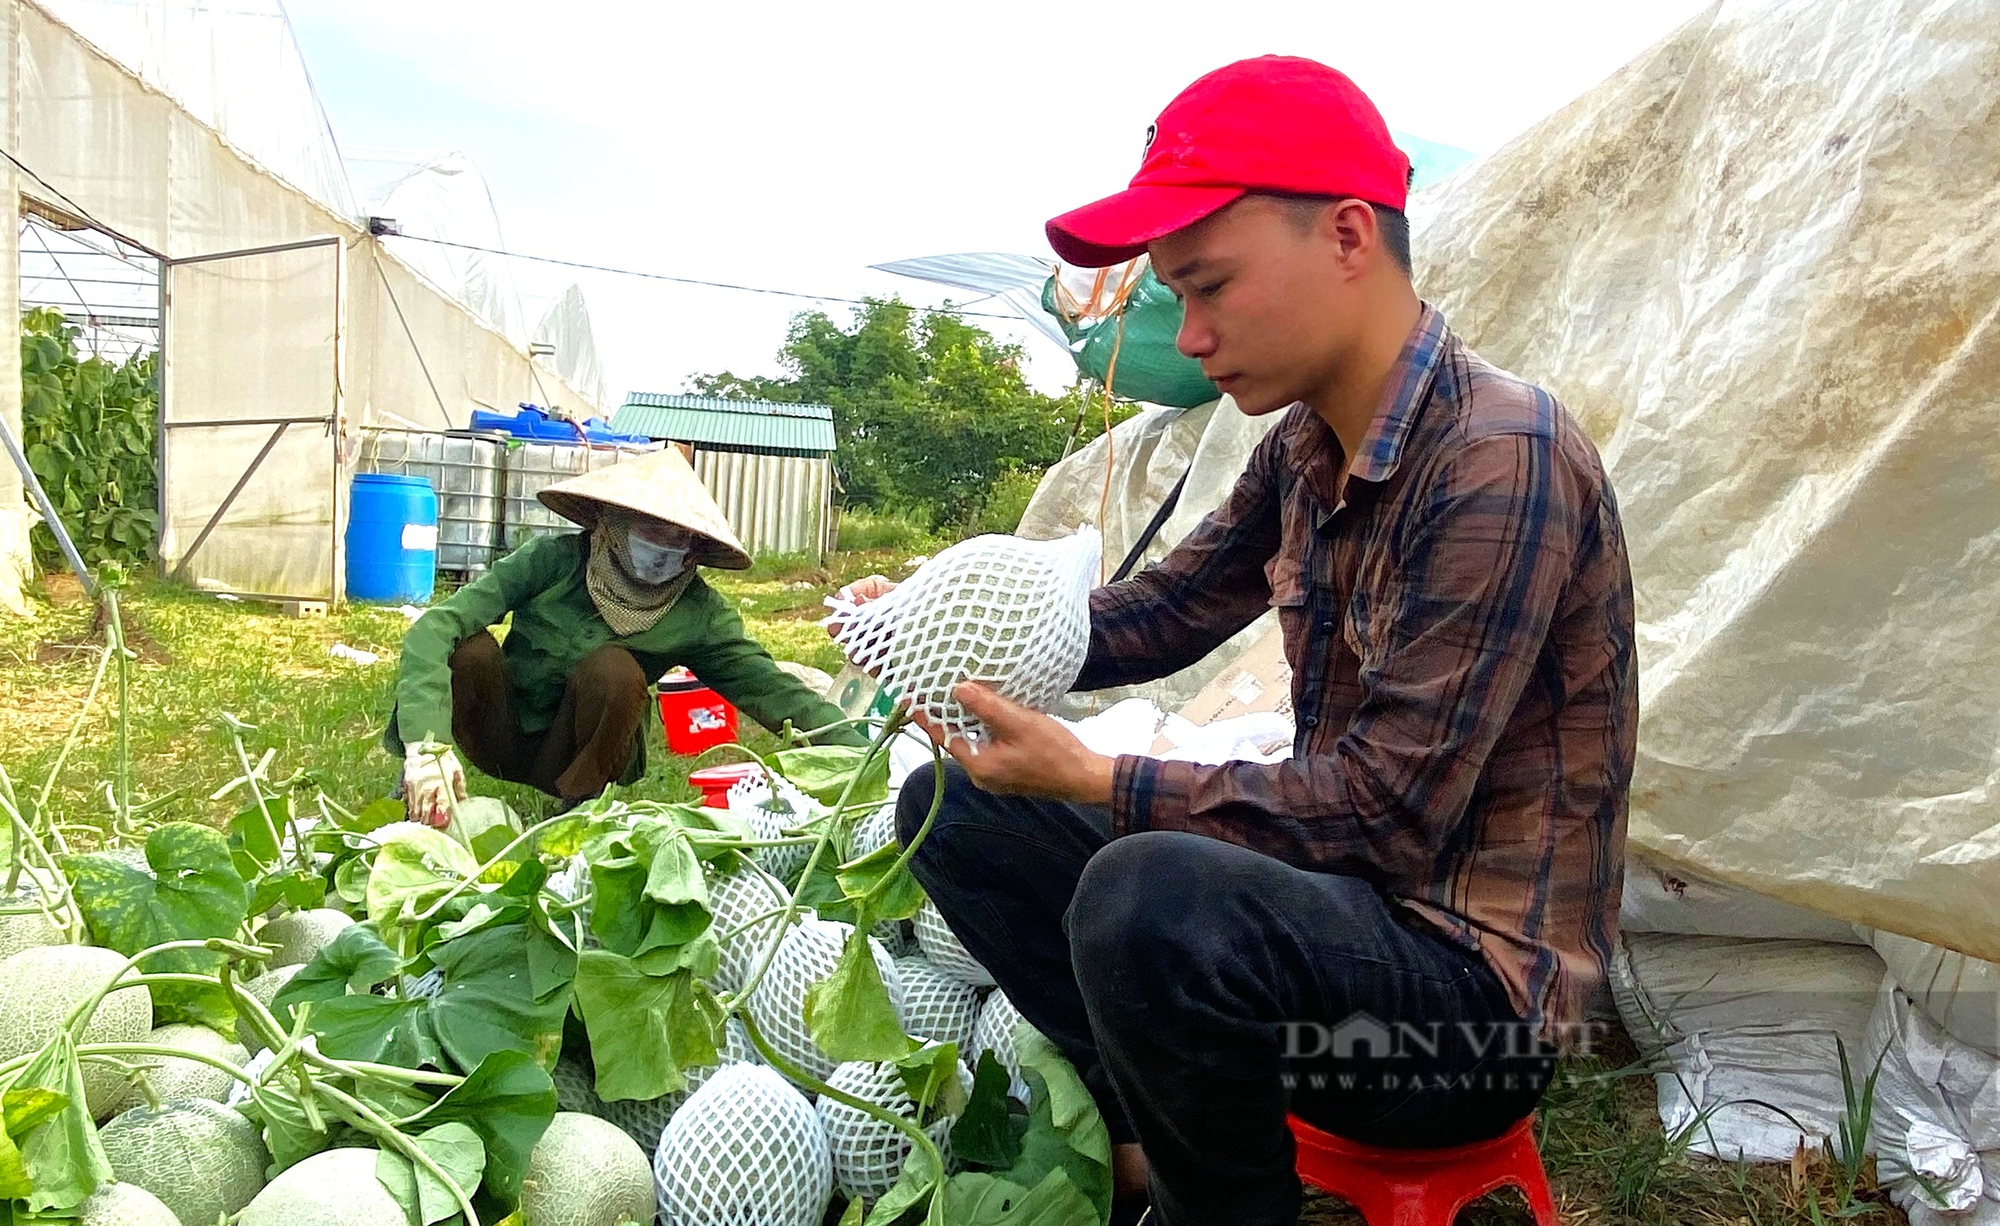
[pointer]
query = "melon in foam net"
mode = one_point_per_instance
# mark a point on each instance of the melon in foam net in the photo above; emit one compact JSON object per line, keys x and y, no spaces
{"x":39,"y":987}
{"x":1010,"y":612}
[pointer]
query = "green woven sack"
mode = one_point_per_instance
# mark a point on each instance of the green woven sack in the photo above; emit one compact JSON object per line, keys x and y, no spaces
{"x":1149,"y":367}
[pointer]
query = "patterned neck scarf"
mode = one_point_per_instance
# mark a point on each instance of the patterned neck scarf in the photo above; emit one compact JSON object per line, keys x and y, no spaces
{"x":628,"y":605}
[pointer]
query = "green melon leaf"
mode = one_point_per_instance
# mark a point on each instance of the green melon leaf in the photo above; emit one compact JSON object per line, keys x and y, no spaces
{"x":983,"y":1134}
{"x":974,"y":1199}
{"x":930,"y":1075}
{"x":251,"y":846}
{"x":354,"y":961}
{"x":26,"y":1109}
{"x":822,"y":772}
{"x":193,"y":892}
{"x":508,"y":1100}
{"x":849,"y":1013}
{"x":1065,"y":1133}
{"x":915,"y":1186}
{"x":488,"y":1003}
{"x":295,"y":887}
{"x":890,"y":892}
{"x":618,"y":999}
{"x":61,"y":1159}
{"x":457,"y":1149}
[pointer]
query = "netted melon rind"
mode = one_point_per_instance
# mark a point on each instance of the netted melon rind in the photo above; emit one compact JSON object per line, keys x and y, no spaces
{"x":200,"y":1158}
{"x":585,"y":1172}
{"x":336,"y":1187}
{"x":121,"y":1204}
{"x":296,"y":937}
{"x":188,"y":1078}
{"x":39,"y":987}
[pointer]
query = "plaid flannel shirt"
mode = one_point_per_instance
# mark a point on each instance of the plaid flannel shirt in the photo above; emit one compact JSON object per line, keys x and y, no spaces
{"x":1457,"y":613}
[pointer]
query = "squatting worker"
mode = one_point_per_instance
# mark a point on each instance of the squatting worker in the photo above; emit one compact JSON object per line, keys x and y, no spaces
{"x":1392,"y":931}
{"x":598,"y":616}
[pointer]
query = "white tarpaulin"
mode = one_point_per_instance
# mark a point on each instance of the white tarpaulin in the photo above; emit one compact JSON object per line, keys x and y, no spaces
{"x":1762,"y":265}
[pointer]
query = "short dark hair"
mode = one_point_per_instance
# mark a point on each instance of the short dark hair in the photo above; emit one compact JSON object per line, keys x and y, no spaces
{"x":1395,"y":226}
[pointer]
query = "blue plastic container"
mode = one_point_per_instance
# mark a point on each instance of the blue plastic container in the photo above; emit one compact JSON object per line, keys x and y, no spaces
{"x":392,"y":539}
{"x":533,"y":424}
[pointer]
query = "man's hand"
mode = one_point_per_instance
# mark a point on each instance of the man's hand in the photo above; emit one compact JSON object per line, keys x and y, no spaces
{"x":1025,"y":753}
{"x":432,"y":781}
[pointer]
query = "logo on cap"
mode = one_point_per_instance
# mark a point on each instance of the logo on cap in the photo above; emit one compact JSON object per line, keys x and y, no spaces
{"x":1152,"y":134}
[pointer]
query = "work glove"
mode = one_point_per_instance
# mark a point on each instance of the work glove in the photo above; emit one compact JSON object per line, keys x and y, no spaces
{"x":432,"y":782}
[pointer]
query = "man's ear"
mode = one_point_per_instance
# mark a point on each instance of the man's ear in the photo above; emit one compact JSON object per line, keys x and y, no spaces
{"x":1351,"y":226}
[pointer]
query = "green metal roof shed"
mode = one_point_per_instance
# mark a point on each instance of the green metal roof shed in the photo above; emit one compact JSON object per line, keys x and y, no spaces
{"x":769,"y":466}
{"x":762,"y":426}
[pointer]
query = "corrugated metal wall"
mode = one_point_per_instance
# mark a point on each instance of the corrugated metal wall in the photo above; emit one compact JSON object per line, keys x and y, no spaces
{"x":776,"y":503}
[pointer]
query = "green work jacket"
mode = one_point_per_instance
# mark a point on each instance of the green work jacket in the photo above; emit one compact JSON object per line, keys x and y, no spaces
{"x":556,"y":624}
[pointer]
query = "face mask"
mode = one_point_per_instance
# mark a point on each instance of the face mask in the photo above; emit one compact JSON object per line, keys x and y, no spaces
{"x":654,"y":563}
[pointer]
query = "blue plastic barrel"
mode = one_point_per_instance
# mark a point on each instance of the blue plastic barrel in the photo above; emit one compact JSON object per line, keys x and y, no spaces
{"x":392,"y":539}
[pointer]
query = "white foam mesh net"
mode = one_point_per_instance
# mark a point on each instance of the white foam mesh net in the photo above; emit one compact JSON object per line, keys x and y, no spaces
{"x":1010,"y":612}
{"x":744,"y":1150}
{"x":868,"y":1154}
{"x":994,"y":1032}
{"x":942,"y":947}
{"x":734,"y":900}
{"x":808,"y":955}
{"x":571,"y":882}
{"x":769,"y":806}
{"x":876,"y":831}
{"x":896,"y":937}
{"x":936,"y":1005}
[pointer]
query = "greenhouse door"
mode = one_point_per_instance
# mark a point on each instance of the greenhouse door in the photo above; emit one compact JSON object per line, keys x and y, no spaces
{"x":250,"y":497}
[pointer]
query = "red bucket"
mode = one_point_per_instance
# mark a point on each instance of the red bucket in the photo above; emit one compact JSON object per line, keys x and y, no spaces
{"x":694,"y":716}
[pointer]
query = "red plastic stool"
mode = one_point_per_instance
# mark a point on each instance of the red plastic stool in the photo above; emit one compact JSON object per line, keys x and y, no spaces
{"x":715,"y":781}
{"x":1423,"y":1187}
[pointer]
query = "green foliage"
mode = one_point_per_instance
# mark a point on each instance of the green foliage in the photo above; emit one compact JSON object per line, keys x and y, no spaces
{"x":929,"y":409}
{"x":454,"y":1147}
{"x":192,"y":892}
{"x":1006,"y":502}
{"x":60,"y":1156}
{"x":863,"y":528}
{"x":89,"y":428}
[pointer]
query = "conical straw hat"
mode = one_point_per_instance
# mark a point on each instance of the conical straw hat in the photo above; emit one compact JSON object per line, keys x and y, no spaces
{"x":661,"y":484}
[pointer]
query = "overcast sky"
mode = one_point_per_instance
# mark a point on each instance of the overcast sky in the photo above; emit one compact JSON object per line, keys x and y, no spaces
{"x":793,"y":145}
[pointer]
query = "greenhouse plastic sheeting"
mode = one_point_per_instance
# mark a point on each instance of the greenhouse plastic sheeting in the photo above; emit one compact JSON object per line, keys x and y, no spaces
{"x":1762,"y":265}
{"x":1145,"y":456}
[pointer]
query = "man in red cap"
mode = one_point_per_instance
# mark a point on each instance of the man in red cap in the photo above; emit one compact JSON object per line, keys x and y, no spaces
{"x":1393,"y":933}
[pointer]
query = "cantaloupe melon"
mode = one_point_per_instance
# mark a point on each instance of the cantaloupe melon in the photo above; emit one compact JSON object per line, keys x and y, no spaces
{"x":188,"y":1078}
{"x":264,"y":987}
{"x":299,"y":935}
{"x":122,"y":1204}
{"x":336,"y":1187}
{"x":200,"y":1158}
{"x":19,"y":932}
{"x":38,"y":988}
{"x":586,"y":1172}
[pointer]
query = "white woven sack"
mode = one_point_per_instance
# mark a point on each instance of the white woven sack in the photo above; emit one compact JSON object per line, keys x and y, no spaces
{"x":737,"y":899}
{"x":942,"y":946}
{"x":936,"y":1005}
{"x":744,"y":1150}
{"x":769,"y":805}
{"x":868,"y":1154}
{"x":808,"y":955}
{"x":999,"y":609}
{"x":994,"y":1032}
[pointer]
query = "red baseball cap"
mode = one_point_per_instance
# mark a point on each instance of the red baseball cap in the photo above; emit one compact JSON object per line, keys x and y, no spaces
{"x":1277,"y":123}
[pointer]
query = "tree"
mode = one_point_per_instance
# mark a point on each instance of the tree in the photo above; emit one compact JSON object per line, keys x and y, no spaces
{"x":929,"y":410}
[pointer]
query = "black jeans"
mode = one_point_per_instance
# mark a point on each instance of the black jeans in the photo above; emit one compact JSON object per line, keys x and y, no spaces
{"x":1202,"y":990}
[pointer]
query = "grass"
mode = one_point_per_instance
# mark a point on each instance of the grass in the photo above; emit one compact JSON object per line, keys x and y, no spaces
{"x":1607,"y":1157}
